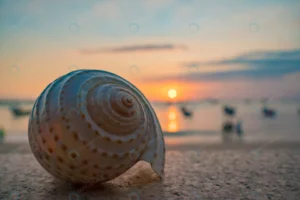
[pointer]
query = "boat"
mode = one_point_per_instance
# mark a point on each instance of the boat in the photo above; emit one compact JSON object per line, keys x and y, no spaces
{"x":18,"y":111}
{"x":186,"y":112}
{"x":2,"y":134}
{"x":268,"y":112}
{"x":239,"y":128}
{"x":228,"y":127}
{"x":228,"y":110}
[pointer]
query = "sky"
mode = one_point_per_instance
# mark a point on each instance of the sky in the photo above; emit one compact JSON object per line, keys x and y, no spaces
{"x":201,"y":48}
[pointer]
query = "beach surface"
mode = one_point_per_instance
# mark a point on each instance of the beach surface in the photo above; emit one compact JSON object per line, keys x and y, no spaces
{"x":204,"y":171}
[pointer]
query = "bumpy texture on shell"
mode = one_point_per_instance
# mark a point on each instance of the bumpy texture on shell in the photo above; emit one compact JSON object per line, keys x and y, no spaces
{"x":92,"y":125}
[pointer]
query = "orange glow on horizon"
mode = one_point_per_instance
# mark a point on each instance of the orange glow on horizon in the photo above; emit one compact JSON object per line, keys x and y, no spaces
{"x":159,"y":91}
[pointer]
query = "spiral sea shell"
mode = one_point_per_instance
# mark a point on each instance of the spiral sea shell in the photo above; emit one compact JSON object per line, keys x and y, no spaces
{"x":92,"y":125}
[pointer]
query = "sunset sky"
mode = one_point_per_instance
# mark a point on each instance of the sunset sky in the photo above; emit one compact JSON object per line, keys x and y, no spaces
{"x":200,"y":48}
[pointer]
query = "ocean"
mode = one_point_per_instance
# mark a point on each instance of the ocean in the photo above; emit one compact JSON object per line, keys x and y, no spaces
{"x":204,"y":126}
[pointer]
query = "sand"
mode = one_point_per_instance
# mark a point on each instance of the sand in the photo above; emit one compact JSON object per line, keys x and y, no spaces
{"x":215,"y":171}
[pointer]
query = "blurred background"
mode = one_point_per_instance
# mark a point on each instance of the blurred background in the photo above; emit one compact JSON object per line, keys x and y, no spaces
{"x":214,"y":71}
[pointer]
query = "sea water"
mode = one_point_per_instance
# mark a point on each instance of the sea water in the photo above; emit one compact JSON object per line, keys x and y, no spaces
{"x":204,"y":126}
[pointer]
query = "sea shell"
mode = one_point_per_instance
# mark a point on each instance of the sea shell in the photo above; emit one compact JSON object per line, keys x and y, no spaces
{"x":92,"y":126}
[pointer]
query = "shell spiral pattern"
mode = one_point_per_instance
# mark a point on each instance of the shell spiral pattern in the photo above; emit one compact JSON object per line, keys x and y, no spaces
{"x":92,"y":125}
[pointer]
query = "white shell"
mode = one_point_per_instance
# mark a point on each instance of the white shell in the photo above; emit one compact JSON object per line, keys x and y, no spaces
{"x":92,"y":125}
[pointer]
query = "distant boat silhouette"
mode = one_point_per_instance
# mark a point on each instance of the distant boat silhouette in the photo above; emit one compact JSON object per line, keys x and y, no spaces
{"x":186,"y":112}
{"x":239,"y":128}
{"x":268,"y":112}
{"x":2,"y":134}
{"x":228,"y":110}
{"x":228,"y":127}
{"x":18,"y":111}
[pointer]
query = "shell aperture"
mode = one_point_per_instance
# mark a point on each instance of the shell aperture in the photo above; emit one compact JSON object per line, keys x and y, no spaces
{"x":94,"y":125}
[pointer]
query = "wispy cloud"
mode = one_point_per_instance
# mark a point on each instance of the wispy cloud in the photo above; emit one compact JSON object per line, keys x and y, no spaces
{"x":260,"y":64}
{"x":146,"y":47}
{"x":254,"y":58}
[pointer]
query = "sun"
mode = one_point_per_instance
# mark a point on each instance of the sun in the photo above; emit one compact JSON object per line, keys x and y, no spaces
{"x":172,"y":93}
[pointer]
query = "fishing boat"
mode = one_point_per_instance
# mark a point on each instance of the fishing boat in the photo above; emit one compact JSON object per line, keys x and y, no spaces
{"x":186,"y":112}
{"x":228,"y":110}
{"x":227,"y":127}
{"x":268,"y":112}
{"x":18,"y":111}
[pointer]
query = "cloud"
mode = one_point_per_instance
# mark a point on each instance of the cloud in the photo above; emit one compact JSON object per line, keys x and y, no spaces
{"x":253,"y":65}
{"x":259,"y":64}
{"x":122,"y":49}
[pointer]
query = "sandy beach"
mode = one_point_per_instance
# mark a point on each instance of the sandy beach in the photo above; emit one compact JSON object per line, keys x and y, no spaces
{"x":211,"y":171}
